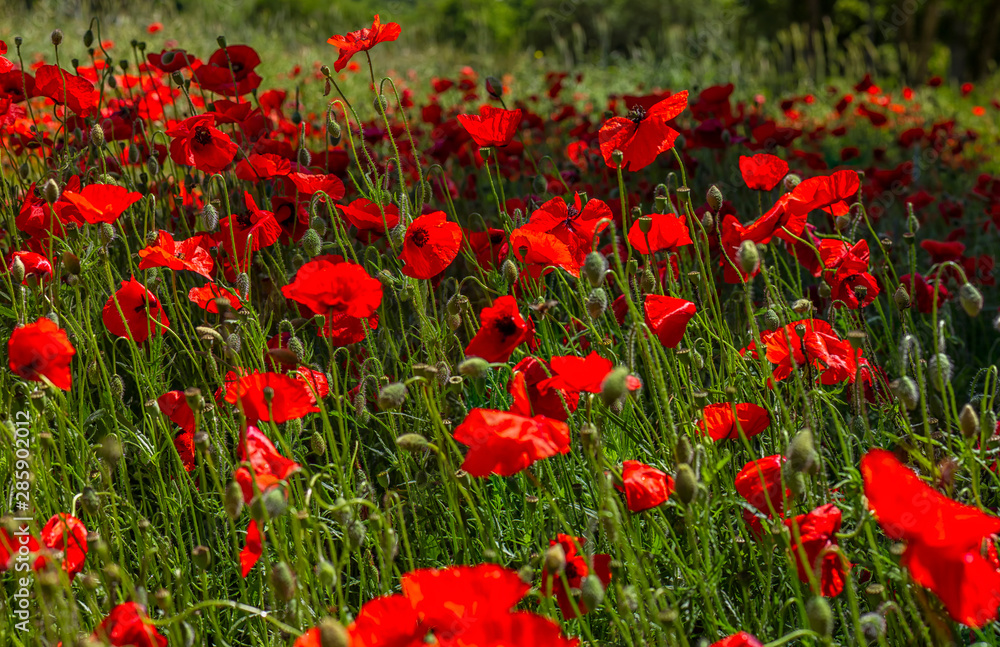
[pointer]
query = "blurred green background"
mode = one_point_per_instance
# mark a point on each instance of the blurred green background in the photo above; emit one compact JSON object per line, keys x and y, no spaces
{"x":712,"y":40}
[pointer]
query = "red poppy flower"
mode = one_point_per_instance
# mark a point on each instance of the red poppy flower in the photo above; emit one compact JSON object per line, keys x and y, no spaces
{"x":128,"y":624}
{"x":668,"y":317}
{"x":643,"y":134}
{"x":250,"y":232}
{"x":184,"y":444}
{"x":533,"y":396}
{"x":262,"y":396}
{"x":11,"y":544}
{"x":719,"y":423}
{"x":41,"y":351}
{"x":230,"y":71}
{"x":143,"y":314}
{"x":492,"y":126}
{"x":330,"y":286}
{"x":363,"y":40}
{"x":173,"y":404}
{"x":787,"y":218}
{"x":171,"y":60}
{"x":645,"y":487}
{"x":501,"y":330}
{"x":205,"y":296}
{"x":815,"y":535}
{"x":308,"y":184}
{"x":505,"y":443}
{"x":847,"y":271}
{"x":521,"y":628}
{"x":574,"y":224}
{"x":812,"y":342}
{"x":267,"y":466}
{"x":763,"y":171}
{"x":5,"y":64}
{"x":252,"y":550}
{"x":666,"y":231}
{"x":742,"y":639}
{"x":579,"y":374}
{"x":257,"y":166}
{"x":190,"y":254}
{"x":196,"y":142}
{"x":430,"y":245}
{"x":943,"y":538}
{"x":75,"y":92}
{"x":367,"y":217}
{"x":67,"y":536}
{"x":540,"y":251}
{"x":759,"y":482}
{"x":97,"y":203}
{"x":35,"y":265}
{"x":577,"y":568}
{"x":489,"y":247}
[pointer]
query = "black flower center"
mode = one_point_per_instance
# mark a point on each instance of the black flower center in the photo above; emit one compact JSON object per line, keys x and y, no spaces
{"x":202,"y":135}
{"x":419,"y":237}
{"x":506,"y":326}
{"x":637,"y":114}
{"x":237,"y":68}
{"x":571,"y":572}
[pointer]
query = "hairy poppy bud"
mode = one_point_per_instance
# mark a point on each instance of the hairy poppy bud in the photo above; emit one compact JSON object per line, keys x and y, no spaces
{"x":356,"y":533}
{"x":233,"y":502}
{"x":96,"y":136}
{"x":802,"y":306}
{"x":17,"y":271}
{"x":88,"y":38}
{"x":683,"y":452}
{"x":592,"y":591}
{"x":714,"y":198}
{"x":820,"y":616}
{"x":905,"y":388}
{"x":614,"y":385}
{"x":510,"y":272}
{"x":380,"y":103}
{"x":595,"y":266}
{"x":317,"y":444}
{"x":305,"y":157}
{"x":201,"y":556}
{"x":283,"y":581}
{"x":56,"y":37}
{"x":332,"y":633}
{"x":90,"y":500}
{"x":685,"y":484}
{"x":647,"y":282}
{"x":311,"y":242}
{"x":210,"y":217}
{"x":110,"y":450}
{"x":412,"y":442}
{"x":707,"y":221}
{"x":392,"y":396}
{"x":940,"y":369}
{"x":555,"y":559}
{"x":901,"y":297}
{"x":802,"y":455}
{"x":325,"y":572}
{"x":971,"y":299}
{"x":243,"y":284}
{"x":333,"y":128}
{"x":50,"y":191}
{"x":770,"y":319}
{"x":221,"y":40}
{"x":597,"y":303}
{"x":748,"y":256}
{"x":117,"y":387}
{"x":153,"y":166}
{"x":474,"y":367}
{"x":968,"y":421}
{"x":791,"y":181}
{"x":540,"y":184}
{"x":824,"y":290}
{"x":494,"y":87}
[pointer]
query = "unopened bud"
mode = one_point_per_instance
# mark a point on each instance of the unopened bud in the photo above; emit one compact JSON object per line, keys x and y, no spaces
{"x":647,"y":282}
{"x":474,"y":367}
{"x":494,"y":87}
{"x":597,"y":303}
{"x":381,"y":103}
{"x":748,"y":256}
{"x":234,"y":499}
{"x":968,"y":421}
{"x":96,"y":136}
{"x":940,"y":369}
{"x":555,"y":559}
{"x":510,"y":272}
{"x":802,"y":455}
{"x":595,"y":266}
{"x":283,"y":581}
{"x":791,"y":181}
{"x":820,"y":616}
{"x":210,"y":217}
{"x":685,"y":484}
{"x":412,"y":442}
{"x":332,"y":634}
{"x":56,"y":37}
{"x":392,"y":396}
{"x":243,"y":284}
{"x":714,"y":198}
{"x":683,"y":452}
{"x":905,"y":388}
{"x":50,"y":191}
{"x":311,"y":242}
{"x":901,"y":297}
{"x":591,"y":591}
{"x":971,"y":299}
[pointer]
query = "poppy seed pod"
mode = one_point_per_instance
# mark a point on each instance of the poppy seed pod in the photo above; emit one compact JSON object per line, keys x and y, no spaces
{"x":555,"y":559}
{"x":714,"y":198}
{"x":474,"y":367}
{"x":802,"y":455}
{"x":820,"y":616}
{"x":392,"y":396}
{"x":685,"y":484}
{"x":597,"y":303}
{"x":748,"y":256}
{"x":971,"y":299}
{"x":595,"y":266}
{"x":645,"y":224}
{"x":968,"y":421}
{"x":940,"y":369}
{"x":332,"y":633}
{"x":283,"y":581}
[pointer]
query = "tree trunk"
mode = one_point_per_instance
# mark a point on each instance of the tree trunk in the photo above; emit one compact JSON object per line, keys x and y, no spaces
{"x":928,"y":34}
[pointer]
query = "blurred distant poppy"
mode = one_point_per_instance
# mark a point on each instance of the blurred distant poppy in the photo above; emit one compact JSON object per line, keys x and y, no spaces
{"x":128,"y":624}
{"x":763,"y":171}
{"x":578,"y":566}
{"x":742,"y":639}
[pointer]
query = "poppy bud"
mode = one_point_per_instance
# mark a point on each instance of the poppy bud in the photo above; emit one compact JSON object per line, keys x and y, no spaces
{"x":971,"y":299}
{"x":412,"y":442}
{"x":96,"y":136}
{"x":906,"y":390}
{"x":24,"y":170}
{"x":392,"y":396}
{"x":791,"y":181}
{"x":647,"y":282}
{"x":770,"y":319}
{"x":539,"y":184}
{"x":381,"y":104}
{"x":243,"y":284}
{"x":90,"y":500}
{"x":50,"y":190}
{"x":17,"y":271}
{"x":589,"y":438}
{"x":201,"y":556}
{"x":842,"y":222}
{"x":283,"y":581}
{"x":510,"y":272}
{"x":802,"y":306}
{"x":88,"y":38}
{"x":474,"y":367}
{"x":305,"y":157}
{"x":901,"y":297}
{"x":56,"y":37}
{"x":592,"y":591}
{"x":332,"y":633}
{"x":685,"y":484}
{"x":802,"y":455}
{"x":221,"y":40}
{"x":940,"y":370}
{"x":824,"y":290}
{"x":617,"y":156}
{"x":110,"y":450}
{"x":714,"y":198}
{"x":311,"y":242}
{"x":748,"y":256}
{"x":872,"y":626}
{"x":614,"y":385}
{"x":356,"y":533}
{"x":707,"y":221}
{"x":820,"y":616}
{"x":595,"y":266}
{"x":968,"y":421}
{"x":325,"y":572}
{"x":317,"y":444}
{"x":117,"y":387}
{"x":683,"y":452}
{"x":233,"y":501}
{"x":597,"y":303}
{"x":494,"y":87}
{"x":555,"y":559}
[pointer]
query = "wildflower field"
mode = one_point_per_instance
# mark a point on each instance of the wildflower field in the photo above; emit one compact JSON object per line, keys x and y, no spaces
{"x":355,"y":357}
